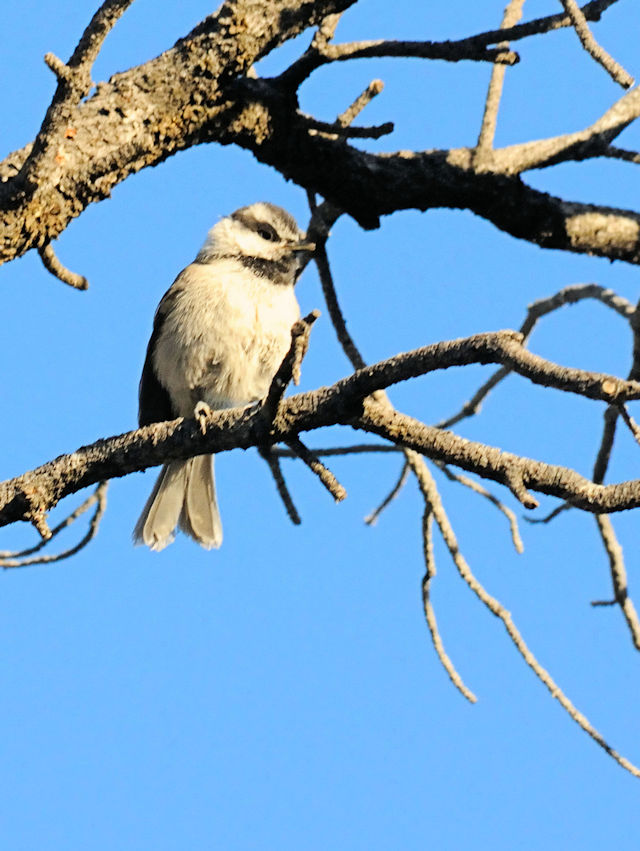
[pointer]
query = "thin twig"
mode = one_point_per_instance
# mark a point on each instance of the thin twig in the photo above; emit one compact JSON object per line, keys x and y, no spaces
{"x":52,"y":264}
{"x":592,"y":11}
{"x":621,"y":154}
{"x":322,"y":53}
{"x":573,"y":294}
{"x":541,"y":307}
{"x":603,"y":457}
{"x":355,"y":449}
{"x":99,"y":496}
{"x":473,"y":406}
{"x":325,"y":31}
{"x":372,"y":519}
{"x":316,"y":466}
{"x":613,"y":68}
{"x":98,"y":29}
{"x":631,"y":424}
{"x":339,"y":131}
{"x":449,"y":51}
{"x":514,"y":480}
{"x":605,"y":525}
{"x":64,"y":524}
{"x":429,"y":612}
{"x":592,"y":141}
{"x":512,"y":15}
{"x":289,"y":369}
{"x":478,"y":488}
{"x":619,"y":576}
{"x":560,"y":509}
{"x":432,"y":497}
{"x":335,"y":313}
{"x":473,"y":47}
{"x":351,"y":112}
{"x":281,"y":485}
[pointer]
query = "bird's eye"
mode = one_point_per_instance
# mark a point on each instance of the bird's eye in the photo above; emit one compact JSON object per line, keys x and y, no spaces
{"x":268,"y":233}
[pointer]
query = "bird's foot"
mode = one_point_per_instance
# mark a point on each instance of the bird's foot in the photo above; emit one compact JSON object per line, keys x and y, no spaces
{"x":200,"y":414}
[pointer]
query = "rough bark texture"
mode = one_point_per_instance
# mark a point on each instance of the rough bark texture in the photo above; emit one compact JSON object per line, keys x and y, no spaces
{"x":351,"y":402}
{"x":199,"y":91}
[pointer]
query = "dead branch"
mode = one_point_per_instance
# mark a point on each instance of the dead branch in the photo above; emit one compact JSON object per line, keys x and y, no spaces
{"x":316,"y":466}
{"x":55,"y":267}
{"x":25,"y":558}
{"x":512,"y":15}
{"x":288,"y":371}
{"x":87,"y":146}
{"x":372,"y":519}
{"x":613,"y":68}
{"x":348,"y":402}
{"x":476,"y":487}
{"x":284,"y":493}
{"x":619,"y":577}
{"x":429,"y":612}
{"x":542,"y":307}
{"x":432,"y":499}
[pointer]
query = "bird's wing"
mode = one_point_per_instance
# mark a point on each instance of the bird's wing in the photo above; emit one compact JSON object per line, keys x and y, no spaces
{"x":154,"y":402}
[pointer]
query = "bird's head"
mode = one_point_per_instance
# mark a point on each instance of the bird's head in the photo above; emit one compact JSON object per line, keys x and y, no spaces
{"x":258,"y":235}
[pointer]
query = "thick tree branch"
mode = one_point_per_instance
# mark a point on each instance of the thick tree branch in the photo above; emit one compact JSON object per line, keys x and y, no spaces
{"x":140,"y":117}
{"x":33,"y":494}
{"x":196,"y":92}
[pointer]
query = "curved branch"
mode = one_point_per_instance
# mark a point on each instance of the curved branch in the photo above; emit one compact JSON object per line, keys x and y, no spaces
{"x":196,"y":93}
{"x":348,"y":402}
{"x":140,"y":117}
{"x":613,"y":68}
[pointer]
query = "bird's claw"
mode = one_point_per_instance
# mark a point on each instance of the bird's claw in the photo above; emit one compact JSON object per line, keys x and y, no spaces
{"x":200,"y":413}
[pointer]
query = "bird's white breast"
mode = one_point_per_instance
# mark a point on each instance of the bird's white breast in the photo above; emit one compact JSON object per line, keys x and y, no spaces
{"x":224,"y":335}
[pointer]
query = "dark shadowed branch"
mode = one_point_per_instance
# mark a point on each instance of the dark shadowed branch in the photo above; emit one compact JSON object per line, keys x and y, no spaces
{"x":203,"y":89}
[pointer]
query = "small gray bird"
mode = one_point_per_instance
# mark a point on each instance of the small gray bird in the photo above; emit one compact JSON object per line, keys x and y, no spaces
{"x":219,"y":335}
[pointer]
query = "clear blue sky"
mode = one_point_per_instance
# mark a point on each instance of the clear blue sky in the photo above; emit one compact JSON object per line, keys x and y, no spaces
{"x":282,"y":693}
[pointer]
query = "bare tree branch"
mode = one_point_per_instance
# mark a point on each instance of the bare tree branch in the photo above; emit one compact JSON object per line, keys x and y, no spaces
{"x":592,"y":12}
{"x":124,"y":126}
{"x":471,"y":48}
{"x":478,"y":488}
{"x":592,"y":141}
{"x":432,"y":498}
{"x":53,"y":265}
{"x":512,"y":15}
{"x":613,"y":68}
{"x":619,"y":577}
{"x":349,"y":402}
{"x":429,"y":612}
{"x":566,"y":296}
{"x":21,"y":559}
{"x":281,"y":484}
{"x":372,"y":519}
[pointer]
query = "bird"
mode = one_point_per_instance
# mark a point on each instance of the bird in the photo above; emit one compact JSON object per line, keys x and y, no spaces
{"x":219,"y":335}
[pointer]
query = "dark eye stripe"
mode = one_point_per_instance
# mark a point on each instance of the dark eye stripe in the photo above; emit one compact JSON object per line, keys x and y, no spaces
{"x":285,"y":225}
{"x":266,"y":231}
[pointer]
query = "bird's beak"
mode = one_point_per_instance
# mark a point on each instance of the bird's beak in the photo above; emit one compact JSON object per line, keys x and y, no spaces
{"x":304,"y":246}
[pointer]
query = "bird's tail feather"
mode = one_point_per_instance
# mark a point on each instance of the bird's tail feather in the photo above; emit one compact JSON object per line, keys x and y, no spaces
{"x":185,"y":495}
{"x":200,"y":517}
